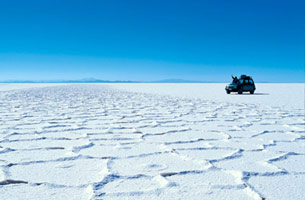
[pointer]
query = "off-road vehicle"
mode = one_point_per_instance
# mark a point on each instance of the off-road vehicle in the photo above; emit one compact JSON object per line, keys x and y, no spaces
{"x":242,"y":84}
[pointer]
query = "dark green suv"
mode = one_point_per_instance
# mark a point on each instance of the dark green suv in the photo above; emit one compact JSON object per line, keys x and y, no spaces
{"x":242,"y":84}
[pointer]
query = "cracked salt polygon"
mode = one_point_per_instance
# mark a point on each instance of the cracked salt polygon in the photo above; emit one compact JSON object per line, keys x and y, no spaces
{"x":279,"y":136}
{"x":44,"y":143}
{"x":166,"y":162}
{"x":251,"y":161}
{"x":280,"y":187}
{"x":19,"y":156}
{"x":185,"y":136}
{"x":247,"y":144}
{"x":205,"y":154}
{"x":67,"y":172}
{"x":292,"y":146}
{"x":293,"y":163}
{"x":129,"y":185}
{"x":25,"y":191}
{"x":121,"y":150}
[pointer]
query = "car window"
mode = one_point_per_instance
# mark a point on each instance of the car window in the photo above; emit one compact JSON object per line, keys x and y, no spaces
{"x":251,"y":81}
{"x":246,"y":81}
{"x":241,"y":81}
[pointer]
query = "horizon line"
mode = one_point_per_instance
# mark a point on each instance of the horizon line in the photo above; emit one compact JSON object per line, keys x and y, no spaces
{"x":90,"y":80}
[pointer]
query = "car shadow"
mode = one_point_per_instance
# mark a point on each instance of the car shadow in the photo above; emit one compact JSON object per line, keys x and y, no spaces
{"x":258,"y":94}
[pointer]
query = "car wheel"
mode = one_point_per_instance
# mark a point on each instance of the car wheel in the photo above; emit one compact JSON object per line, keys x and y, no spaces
{"x":228,"y":92}
{"x":240,"y":91}
{"x":252,"y":92}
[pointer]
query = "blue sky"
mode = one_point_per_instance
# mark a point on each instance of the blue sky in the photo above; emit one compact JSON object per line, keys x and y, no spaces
{"x":152,"y":40}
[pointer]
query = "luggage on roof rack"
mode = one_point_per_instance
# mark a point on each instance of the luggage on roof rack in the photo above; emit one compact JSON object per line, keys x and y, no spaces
{"x":243,"y":76}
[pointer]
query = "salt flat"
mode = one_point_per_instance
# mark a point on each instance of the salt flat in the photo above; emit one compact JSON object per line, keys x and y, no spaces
{"x":289,"y":95}
{"x":151,"y":141}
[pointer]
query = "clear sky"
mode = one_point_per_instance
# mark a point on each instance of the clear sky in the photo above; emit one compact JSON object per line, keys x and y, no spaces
{"x":152,"y":39}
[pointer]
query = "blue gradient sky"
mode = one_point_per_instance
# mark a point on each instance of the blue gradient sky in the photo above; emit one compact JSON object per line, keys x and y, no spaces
{"x":152,"y":40}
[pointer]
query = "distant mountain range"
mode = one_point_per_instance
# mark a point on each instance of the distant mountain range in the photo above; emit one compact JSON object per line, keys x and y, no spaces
{"x":93,"y":80}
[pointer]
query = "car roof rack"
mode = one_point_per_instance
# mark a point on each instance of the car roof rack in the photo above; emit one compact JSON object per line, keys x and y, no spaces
{"x":245,"y":77}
